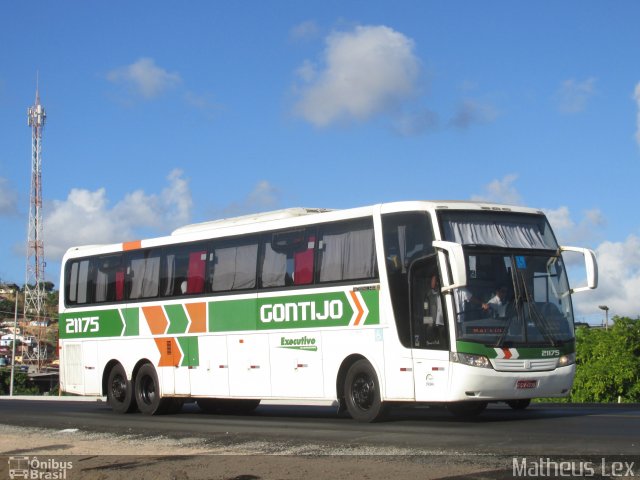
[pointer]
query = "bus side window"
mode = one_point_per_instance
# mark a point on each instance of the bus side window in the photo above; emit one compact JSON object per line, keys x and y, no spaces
{"x":273,"y":271}
{"x":143,"y":274}
{"x":107,"y":268}
{"x":120,"y":284}
{"x":232,"y":264}
{"x":303,"y":263}
{"x":347,"y":251}
{"x":78,"y":282}
{"x":196,"y":272}
{"x":288,"y":258}
{"x":183,"y":270}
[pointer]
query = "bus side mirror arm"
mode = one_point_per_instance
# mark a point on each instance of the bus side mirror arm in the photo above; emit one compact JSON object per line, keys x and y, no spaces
{"x":456,"y":262}
{"x":591,"y":266}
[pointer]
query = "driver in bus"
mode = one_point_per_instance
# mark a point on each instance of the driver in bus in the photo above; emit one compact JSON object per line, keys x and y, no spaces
{"x":498,"y":303}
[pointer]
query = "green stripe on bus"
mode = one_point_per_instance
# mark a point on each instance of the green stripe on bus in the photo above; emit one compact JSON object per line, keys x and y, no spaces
{"x":371,"y":299}
{"x":314,"y":310}
{"x":232,"y":315}
{"x":178,"y":320}
{"x":93,"y":324}
{"x":190,"y":350}
{"x":333,"y":309}
{"x":524,"y":353}
{"x":131,"y":318}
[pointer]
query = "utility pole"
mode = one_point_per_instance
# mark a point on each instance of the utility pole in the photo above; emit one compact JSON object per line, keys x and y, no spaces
{"x":34,"y":294}
{"x":13,"y":353}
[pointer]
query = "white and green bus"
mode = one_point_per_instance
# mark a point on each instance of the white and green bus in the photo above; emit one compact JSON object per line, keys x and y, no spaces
{"x":451,"y":303}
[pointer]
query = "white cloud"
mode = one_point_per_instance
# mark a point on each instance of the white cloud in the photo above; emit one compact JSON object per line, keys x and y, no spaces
{"x":636,"y":96}
{"x":144,"y":78}
{"x":366,"y":72}
{"x":619,"y":280}
{"x":84,"y":217}
{"x":264,"y":196}
{"x":573,"y":95}
{"x":307,"y":71}
{"x":500,"y":191}
{"x":569,"y":232}
{"x":618,"y":264}
{"x":8,"y":198}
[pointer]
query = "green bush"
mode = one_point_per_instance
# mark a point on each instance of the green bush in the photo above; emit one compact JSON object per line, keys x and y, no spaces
{"x":608,"y":363}
{"x":21,"y":383}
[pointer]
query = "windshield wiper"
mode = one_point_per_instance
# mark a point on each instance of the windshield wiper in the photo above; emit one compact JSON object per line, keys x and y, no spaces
{"x":517,"y":303}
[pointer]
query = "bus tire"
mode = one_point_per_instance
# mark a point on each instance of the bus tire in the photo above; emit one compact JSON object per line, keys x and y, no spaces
{"x":519,"y":404}
{"x":362,"y":393}
{"x":147,"y":392}
{"x":120,"y":391}
{"x":466,"y":409}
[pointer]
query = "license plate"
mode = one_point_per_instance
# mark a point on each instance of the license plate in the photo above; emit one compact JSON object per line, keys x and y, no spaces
{"x":520,"y":384}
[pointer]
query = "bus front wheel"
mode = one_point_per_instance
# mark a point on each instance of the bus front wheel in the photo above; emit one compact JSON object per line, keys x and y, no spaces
{"x":362,"y":393}
{"x":120,"y":391}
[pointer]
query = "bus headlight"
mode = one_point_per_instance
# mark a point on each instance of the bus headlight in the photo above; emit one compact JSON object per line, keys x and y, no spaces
{"x":566,"y":360}
{"x":469,"y":359}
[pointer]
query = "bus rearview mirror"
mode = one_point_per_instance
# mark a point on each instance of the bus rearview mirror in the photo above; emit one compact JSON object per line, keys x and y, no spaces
{"x":456,"y":262}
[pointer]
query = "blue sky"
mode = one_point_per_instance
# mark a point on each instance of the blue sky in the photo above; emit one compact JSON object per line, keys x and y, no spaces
{"x":166,"y":113}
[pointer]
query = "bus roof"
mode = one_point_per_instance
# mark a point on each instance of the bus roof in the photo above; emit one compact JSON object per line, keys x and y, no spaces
{"x":200,"y":230}
{"x":247,"y":219}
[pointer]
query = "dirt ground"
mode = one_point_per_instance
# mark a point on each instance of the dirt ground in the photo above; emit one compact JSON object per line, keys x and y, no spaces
{"x":72,"y":454}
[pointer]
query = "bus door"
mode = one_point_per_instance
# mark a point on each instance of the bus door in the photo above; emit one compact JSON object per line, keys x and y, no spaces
{"x":429,"y":331}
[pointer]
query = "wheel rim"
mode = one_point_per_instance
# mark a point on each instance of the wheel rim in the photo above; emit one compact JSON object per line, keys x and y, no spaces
{"x":119,"y":388}
{"x":363,"y":391}
{"x":147,"y":390}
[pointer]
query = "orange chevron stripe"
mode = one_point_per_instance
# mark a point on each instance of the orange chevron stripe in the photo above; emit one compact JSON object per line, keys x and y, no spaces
{"x":358,"y":306}
{"x":198,"y":314}
{"x":156,"y":319}
{"x":170,"y":355}
{"x":135,"y":245}
{"x":507,"y":353}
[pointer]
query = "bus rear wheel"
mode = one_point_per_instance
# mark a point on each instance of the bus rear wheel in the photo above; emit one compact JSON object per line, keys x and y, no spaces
{"x":120,"y":391}
{"x":362,"y":393}
{"x":147,"y":393}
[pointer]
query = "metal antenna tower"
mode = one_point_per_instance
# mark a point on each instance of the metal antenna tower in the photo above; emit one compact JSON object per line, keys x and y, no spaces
{"x":34,"y":293}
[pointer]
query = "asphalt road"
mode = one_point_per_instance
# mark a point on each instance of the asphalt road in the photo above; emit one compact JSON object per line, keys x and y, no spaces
{"x":540,"y":430}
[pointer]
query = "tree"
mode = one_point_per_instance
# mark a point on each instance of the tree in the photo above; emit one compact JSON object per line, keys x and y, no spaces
{"x":608,"y":363}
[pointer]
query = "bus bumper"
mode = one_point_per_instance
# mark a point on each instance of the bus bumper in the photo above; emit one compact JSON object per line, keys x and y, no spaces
{"x":475,"y":383}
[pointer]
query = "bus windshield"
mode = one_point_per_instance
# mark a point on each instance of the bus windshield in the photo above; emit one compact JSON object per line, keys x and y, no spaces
{"x":514,"y":299}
